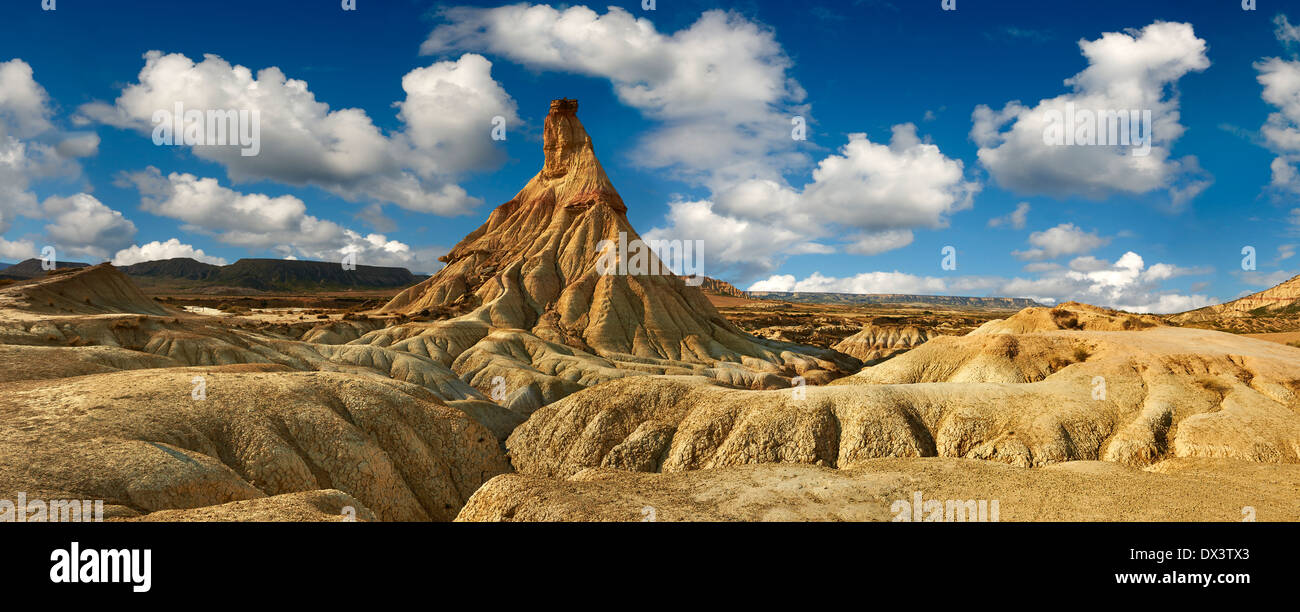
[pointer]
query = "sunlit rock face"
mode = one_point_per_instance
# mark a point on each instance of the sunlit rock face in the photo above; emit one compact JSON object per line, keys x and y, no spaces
{"x":543,"y":318}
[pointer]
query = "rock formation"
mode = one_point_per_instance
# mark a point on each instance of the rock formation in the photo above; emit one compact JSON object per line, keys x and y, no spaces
{"x":1069,"y":316}
{"x":879,"y":342}
{"x":1038,"y":397}
{"x":147,"y":441}
{"x":544,"y":320}
{"x":713,"y":286}
{"x":95,"y":290}
{"x":101,"y":395}
{"x":1281,"y":299}
{"x":406,"y":417}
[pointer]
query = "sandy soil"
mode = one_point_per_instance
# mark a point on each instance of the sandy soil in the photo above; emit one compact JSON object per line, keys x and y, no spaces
{"x":1279,"y":337}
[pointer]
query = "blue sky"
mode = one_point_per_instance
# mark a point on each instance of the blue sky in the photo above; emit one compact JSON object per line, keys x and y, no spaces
{"x":690,"y":106}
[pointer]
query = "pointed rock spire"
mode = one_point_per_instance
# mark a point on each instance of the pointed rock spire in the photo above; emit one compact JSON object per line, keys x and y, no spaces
{"x":528,"y":290}
{"x":563,"y":138}
{"x":570,"y":166}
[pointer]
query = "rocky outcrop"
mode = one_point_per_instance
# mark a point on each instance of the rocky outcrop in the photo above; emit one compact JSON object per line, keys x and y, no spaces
{"x":877,"y":343}
{"x":98,"y":289}
{"x":544,"y":320}
{"x":1282,"y":299}
{"x":184,"y":438}
{"x":713,"y":286}
{"x":1069,"y":316}
{"x":1031,"y":399}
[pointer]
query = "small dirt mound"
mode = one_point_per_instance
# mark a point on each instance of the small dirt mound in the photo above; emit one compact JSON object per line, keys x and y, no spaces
{"x":880,"y":342}
{"x":1069,"y":316}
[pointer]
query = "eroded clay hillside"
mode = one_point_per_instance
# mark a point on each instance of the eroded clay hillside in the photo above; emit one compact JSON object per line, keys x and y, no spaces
{"x":167,"y":415}
{"x":541,"y":316}
{"x":1037,"y":393}
{"x":107,"y":394}
{"x":1021,"y":391}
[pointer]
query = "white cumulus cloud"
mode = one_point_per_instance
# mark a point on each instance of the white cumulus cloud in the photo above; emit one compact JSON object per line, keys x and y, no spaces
{"x":1127,"y":284}
{"x":869,"y":195}
{"x":82,"y":225}
{"x":720,"y":87}
{"x":31,"y":148}
{"x":869,"y":282}
{"x":447,"y":114}
{"x":259,"y":222}
{"x":16,"y":250}
{"x":1064,"y":239}
{"x":1016,"y":219}
{"x":154,"y":251}
{"x":1136,"y":70}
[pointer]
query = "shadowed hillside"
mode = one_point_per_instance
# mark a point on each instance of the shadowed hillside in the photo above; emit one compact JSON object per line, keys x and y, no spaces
{"x":183,"y":273}
{"x":31,"y":268}
{"x":177,"y":268}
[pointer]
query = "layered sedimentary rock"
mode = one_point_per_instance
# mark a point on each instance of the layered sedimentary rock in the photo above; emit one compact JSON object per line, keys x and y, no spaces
{"x":545,"y":320}
{"x":1039,"y":396}
{"x":184,"y":438}
{"x":879,"y":342}
{"x":1281,"y":299}
{"x":714,"y":286}
{"x":92,"y":326}
{"x":94,"y":290}
{"x":108,"y":395}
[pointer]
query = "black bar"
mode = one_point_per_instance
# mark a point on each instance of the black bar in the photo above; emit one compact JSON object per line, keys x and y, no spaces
{"x":366,"y":559}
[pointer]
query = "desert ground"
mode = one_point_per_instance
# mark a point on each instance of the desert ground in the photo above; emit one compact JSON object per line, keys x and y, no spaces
{"x":521,"y":382}
{"x":306,"y":417}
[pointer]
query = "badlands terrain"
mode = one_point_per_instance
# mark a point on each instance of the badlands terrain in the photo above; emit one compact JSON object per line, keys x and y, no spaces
{"x":520,"y":383}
